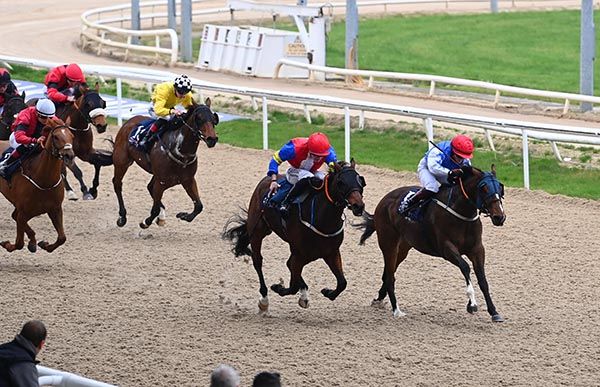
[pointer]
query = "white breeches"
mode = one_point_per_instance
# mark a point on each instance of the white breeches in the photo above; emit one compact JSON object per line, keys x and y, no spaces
{"x":12,"y":142}
{"x":294,"y":174}
{"x":428,"y":180}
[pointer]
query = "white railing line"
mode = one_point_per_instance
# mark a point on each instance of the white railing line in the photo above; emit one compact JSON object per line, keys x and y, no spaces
{"x":438,"y":79}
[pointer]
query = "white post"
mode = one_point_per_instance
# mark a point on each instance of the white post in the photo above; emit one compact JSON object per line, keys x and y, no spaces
{"x":556,"y":151}
{"x":347,"y":134}
{"x":265,"y":116}
{"x":119,"y":102}
{"x":317,"y":46}
{"x":429,"y":129}
{"x":490,"y":141}
{"x":361,"y":120}
{"x":525,"y":160}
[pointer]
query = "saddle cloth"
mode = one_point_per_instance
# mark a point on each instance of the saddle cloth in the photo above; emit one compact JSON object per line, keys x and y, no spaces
{"x":416,"y":213}
{"x":136,"y":135}
{"x":284,"y":187}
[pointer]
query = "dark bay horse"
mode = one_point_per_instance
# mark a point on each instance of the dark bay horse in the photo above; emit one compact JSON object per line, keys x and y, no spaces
{"x":450,"y":228}
{"x":13,"y":105}
{"x":313,"y":230}
{"x":86,"y":111}
{"x":172,"y":160}
{"x":37,"y":187}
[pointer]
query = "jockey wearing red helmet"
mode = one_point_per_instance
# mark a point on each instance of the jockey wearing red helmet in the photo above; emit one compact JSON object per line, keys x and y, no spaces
{"x":61,"y":79}
{"x":305,"y":155}
{"x":7,"y":87}
{"x":440,"y":165}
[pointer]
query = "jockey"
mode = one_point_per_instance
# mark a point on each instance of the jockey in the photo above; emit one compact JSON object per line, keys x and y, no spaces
{"x":441,"y":164}
{"x":305,"y":155}
{"x":165,"y":97}
{"x":61,"y":81}
{"x":7,"y":87}
{"x":27,"y":130}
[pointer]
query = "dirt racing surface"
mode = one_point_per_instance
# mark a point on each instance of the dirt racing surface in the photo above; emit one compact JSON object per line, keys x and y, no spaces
{"x":163,"y":306}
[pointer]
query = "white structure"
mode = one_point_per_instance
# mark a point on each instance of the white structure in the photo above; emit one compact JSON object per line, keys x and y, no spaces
{"x":52,"y":377}
{"x":256,"y":50}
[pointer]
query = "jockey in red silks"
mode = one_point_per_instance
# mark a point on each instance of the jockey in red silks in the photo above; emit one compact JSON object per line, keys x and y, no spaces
{"x":441,"y":164}
{"x":61,"y":82}
{"x":306,"y":156}
{"x":27,"y":130}
{"x":7,"y":87}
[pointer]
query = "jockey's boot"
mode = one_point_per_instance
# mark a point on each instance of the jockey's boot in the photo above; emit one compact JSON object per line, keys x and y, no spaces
{"x":148,"y":140}
{"x":414,"y":201}
{"x":4,"y":164}
{"x":295,"y":191}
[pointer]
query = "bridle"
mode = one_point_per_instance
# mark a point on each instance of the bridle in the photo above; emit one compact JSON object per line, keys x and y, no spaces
{"x":87,"y":115}
{"x":197,"y":132}
{"x":342,"y":200}
{"x":56,"y":150}
{"x":495,"y":194}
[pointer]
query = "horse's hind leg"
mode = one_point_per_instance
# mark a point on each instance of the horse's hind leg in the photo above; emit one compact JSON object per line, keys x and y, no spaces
{"x":478,"y":259}
{"x":120,"y":170}
{"x":394,"y":252}
{"x":257,"y":261}
{"x":98,"y":159}
{"x":334,"y":261}
{"x":295,"y":278}
{"x":32,"y":244}
{"x":20,"y":240}
{"x":161,"y":215}
{"x":56,"y":216}
{"x":70,"y":194}
{"x":192,"y":190}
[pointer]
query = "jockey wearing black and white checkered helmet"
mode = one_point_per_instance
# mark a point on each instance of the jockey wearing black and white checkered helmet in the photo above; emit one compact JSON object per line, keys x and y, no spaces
{"x":182,"y":84}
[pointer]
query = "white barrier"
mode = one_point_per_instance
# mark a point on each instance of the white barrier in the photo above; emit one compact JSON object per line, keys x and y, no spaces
{"x":548,"y":132}
{"x":52,"y":377}
{"x":433,"y":79}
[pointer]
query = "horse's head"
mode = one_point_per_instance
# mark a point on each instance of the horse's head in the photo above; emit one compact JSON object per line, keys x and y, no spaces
{"x":13,"y":105}
{"x":59,"y":140}
{"x":202,"y":121}
{"x":92,"y":107}
{"x":346,"y":187}
{"x":489,"y":193}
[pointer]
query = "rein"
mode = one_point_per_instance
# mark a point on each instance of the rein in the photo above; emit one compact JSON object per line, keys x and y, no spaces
{"x":174,"y":158}
{"x":450,"y":210}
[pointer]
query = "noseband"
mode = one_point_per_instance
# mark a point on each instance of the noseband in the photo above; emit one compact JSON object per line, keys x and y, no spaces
{"x":196,"y":131}
{"x":343,"y":202}
{"x":89,"y":116}
{"x":56,"y":150}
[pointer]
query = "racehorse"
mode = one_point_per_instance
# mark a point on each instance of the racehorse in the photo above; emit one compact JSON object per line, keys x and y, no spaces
{"x":86,"y":111}
{"x":313,"y":230}
{"x":37,"y":187}
{"x":13,"y":105}
{"x":172,"y":159}
{"x":449,"y":227}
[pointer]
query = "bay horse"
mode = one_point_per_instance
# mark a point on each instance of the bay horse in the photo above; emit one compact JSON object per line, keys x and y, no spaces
{"x":37,"y":187}
{"x":13,"y":105}
{"x":86,"y":111}
{"x":449,"y":228}
{"x":172,"y":160}
{"x":313,"y":230}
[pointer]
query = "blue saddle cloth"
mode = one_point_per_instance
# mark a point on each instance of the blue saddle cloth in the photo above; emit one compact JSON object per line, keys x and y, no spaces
{"x":417,"y":213}
{"x":136,"y":135}
{"x":12,"y":167}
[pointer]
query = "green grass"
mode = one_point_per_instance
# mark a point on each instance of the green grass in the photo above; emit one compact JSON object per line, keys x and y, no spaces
{"x":529,"y":49}
{"x":402,"y":150}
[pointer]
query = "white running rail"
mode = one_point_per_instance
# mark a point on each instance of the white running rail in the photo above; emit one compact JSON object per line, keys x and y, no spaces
{"x":436,"y":79}
{"x":547,"y":132}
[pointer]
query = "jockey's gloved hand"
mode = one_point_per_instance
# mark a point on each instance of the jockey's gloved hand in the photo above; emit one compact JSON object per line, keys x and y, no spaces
{"x":455,"y":174}
{"x":273,"y":187}
{"x":70,"y":98}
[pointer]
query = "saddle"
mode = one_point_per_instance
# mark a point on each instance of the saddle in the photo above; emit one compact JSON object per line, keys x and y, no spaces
{"x":416,"y":213}
{"x":136,"y":135}
{"x":12,"y":167}
{"x":284,"y":188}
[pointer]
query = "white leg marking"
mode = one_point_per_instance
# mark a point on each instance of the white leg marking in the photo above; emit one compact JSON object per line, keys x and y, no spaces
{"x":399,"y":313}
{"x":471,"y":294}
{"x":71,"y":195}
{"x":303,"y":300}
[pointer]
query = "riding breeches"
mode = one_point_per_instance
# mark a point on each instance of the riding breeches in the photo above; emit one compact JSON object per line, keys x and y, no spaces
{"x":294,"y":174}
{"x":428,"y":180}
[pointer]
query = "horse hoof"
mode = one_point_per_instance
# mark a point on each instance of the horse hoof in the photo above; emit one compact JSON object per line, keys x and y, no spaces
{"x":277,"y":288}
{"x":32,"y":247}
{"x":88,"y":196}
{"x":263,"y":305}
{"x":72,"y":195}
{"x":497,"y":318}
{"x":379,"y":304}
{"x":328,"y":293}
{"x":472,"y":308}
{"x":398,"y":313}
{"x":8,"y":246}
{"x":121,"y":221}
{"x":44,"y":245}
{"x":144,"y":225}
{"x":303,"y":303}
{"x":185,"y":216}
{"x":160,"y":222}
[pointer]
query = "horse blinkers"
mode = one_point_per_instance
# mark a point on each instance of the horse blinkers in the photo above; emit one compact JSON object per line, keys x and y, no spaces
{"x":207,"y":128}
{"x":491,"y":193}
{"x":351,"y":189}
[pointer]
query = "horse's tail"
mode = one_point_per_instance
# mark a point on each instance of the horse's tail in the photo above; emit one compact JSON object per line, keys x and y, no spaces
{"x":236,"y":231}
{"x":368,"y":225}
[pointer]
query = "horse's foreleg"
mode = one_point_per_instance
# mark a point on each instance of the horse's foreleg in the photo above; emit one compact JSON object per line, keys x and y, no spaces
{"x":96,"y":182}
{"x":98,"y":159}
{"x":157,"y":192}
{"x":162,"y":214}
{"x":20,"y":240}
{"x":117,"y":180}
{"x":192,"y":190}
{"x":478,"y":259}
{"x":334,"y":261}
{"x":295,"y":278}
{"x":70,"y":194}
{"x":79,"y":176}
{"x":453,"y":256}
{"x":56,"y":216}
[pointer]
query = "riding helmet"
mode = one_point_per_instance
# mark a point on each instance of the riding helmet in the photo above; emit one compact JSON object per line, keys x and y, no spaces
{"x":45,"y":107}
{"x":463,"y":146}
{"x":74,"y":73}
{"x":183,"y":84}
{"x":4,"y":76}
{"x":318,"y":144}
